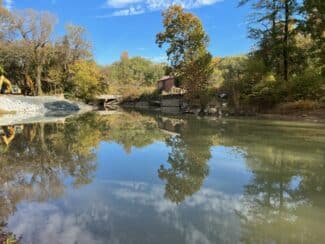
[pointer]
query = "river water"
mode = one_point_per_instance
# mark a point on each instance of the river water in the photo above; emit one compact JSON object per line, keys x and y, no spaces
{"x":143,"y":178}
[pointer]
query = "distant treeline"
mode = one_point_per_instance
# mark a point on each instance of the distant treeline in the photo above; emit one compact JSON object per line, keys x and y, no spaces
{"x":133,"y":75}
{"x":286,"y":64}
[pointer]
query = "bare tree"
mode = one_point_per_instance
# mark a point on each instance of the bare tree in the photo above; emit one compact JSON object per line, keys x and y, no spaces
{"x":36,"y":29}
{"x":6,"y":23}
{"x":80,"y":48}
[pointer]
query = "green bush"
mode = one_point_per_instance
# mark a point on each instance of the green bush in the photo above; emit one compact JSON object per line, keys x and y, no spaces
{"x":307,"y":85}
{"x":266,"y":92}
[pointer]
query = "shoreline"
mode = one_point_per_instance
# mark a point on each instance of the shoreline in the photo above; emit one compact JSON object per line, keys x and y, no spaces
{"x":21,"y":110}
{"x":312,"y":116}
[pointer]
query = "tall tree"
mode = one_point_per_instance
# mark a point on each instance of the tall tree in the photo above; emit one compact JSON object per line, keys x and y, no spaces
{"x":36,"y":28}
{"x":187,"y":52}
{"x":272,"y":24}
{"x":314,"y":25}
{"x":78,"y":43}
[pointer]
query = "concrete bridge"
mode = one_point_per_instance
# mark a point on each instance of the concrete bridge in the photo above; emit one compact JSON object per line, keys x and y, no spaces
{"x":107,"y":100}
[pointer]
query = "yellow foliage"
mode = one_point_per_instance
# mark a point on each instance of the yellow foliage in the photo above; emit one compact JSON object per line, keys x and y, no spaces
{"x":86,"y":78}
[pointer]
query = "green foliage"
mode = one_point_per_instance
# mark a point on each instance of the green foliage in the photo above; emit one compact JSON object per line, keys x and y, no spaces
{"x":307,"y":85}
{"x":133,"y":72}
{"x":85,"y":81}
{"x":250,"y":84}
{"x":264,"y":93}
{"x":187,"y":52}
{"x":288,"y":63}
{"x":184,"y":35}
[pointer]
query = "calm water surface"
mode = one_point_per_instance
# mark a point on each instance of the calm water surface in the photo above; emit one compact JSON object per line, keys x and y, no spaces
{"x":135,"y":178}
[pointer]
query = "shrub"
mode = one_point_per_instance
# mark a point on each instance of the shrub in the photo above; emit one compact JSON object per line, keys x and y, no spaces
{"x":265,"y":93}
{"x":307,"y":85}
{"x":301,"y":105}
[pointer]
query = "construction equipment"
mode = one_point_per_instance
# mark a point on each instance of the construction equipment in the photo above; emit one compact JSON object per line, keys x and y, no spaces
{"x":8,"y":86}
{"x":8,"y":134}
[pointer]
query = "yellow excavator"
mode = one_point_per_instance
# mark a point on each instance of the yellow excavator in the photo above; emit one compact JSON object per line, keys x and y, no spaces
{"x":8,"y":86}
{"x":8,"y":135}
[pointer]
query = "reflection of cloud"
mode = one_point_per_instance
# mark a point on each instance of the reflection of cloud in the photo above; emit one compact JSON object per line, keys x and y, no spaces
{"x":215,"y":209}
{"x":206,"y":217}
{"x":46,"y":223}
{"x":153,"y":196}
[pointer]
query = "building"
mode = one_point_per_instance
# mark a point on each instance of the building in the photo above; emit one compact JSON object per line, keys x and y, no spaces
{"x":166,"y":84}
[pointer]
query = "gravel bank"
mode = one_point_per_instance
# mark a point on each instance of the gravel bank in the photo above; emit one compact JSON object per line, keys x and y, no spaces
{"x":22,"y":108}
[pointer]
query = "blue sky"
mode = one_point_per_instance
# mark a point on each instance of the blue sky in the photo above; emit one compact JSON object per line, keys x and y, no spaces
{"x":131,"y":25}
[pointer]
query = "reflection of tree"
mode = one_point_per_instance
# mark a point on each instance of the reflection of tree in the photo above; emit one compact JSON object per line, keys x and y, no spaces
{"x":188,"y":158}
{"x":281,"y":205}
{"x":285,"y":199}
{"x":134,"y":130}
{"x":7,"y":237}
{"x":40,"y":159}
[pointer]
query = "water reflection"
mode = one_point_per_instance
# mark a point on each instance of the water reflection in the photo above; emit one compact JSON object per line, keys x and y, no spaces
{"x":188,"y":159}
{"x":279,"y":198}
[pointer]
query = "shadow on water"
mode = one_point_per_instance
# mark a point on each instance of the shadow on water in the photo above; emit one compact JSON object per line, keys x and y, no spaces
{"x":283,"y":201}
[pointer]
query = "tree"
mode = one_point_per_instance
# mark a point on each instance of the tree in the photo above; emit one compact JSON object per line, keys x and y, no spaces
{"x":134,"y":72}
{"x":36,"y":28}
{"x":272,"y":24}
{"x":86,"y":80}
{"x":187,"y":50}
{"x":6,"y":27}
{"x":313,"y":25}
{"x":80,"y":47}
{"x":72,"y":47}
{"x":232,"y":70}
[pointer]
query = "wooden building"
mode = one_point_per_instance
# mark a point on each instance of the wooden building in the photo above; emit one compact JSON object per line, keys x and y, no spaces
{"x":166,"y":84}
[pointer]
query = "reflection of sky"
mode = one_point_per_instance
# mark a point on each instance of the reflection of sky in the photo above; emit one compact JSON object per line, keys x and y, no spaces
{"x":139,"y":165}
{"x":129,"y":212}
{"x":126,"y":204}
{"x":227,"y":163}
{"x":142,"y":165}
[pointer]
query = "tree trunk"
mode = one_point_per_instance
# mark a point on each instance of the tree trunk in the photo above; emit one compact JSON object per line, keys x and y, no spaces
{"x":38,"y":80}
{"x":285,"y":41}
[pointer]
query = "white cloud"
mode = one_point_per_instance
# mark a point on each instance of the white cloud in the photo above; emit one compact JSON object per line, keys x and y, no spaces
{"x":129,"y":11}
{"x":135,"y":7}
{"x":121,"y":3}
{"x":8,"y":4}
